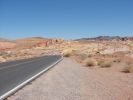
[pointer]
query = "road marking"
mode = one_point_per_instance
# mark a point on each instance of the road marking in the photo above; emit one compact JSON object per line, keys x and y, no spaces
{"x":19,"y":64}
{"x":29,"y":80}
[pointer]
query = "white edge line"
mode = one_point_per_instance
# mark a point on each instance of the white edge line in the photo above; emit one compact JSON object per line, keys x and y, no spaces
{"x":29,"y":80}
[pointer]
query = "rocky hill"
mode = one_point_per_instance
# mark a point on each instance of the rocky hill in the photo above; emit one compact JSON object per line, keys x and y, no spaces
{"x":29,"y":42}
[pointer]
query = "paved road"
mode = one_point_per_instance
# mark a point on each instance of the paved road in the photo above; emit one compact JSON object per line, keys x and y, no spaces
{"x":15,"y":73}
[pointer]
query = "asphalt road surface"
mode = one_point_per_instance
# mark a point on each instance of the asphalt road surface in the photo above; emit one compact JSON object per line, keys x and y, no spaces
{"x":14,"y":73}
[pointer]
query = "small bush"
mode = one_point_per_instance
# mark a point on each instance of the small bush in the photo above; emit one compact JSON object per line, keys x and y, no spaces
{"x":104,"y":64}
{"x":83,"y":56}
{"x":118,"y":60}
{"x":89,"y":55}
{"x":100,"y":62}
{"x":67,"y":52}
{"x":90,"y":62}
{"x":126,"y":68}
{"x":79,"y":56}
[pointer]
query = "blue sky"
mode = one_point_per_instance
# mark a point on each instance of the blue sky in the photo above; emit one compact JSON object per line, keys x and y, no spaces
{"x":65,"y":18}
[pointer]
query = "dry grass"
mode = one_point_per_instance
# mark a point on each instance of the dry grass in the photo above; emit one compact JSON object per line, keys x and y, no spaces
{"x":67,"y":53}
{"x":127,"y":68}
{"x":104,"y":64}
{"x":90,"y":62}
{"x":80,"y":57}
{"x":117,"y":60}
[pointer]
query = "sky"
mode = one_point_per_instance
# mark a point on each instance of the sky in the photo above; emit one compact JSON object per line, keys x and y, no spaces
{"x":69,"y":19}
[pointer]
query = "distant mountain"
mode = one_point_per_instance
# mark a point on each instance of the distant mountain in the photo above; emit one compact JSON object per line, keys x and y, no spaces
{"x":106,"y":38}
{"x":4,"y":40}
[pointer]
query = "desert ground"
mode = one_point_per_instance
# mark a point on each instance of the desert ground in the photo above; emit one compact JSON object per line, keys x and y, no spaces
{"x":102,"y":69}
{"x":76,"y":82}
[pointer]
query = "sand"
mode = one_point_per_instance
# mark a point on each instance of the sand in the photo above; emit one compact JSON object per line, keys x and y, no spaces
{"x":70,"y":81}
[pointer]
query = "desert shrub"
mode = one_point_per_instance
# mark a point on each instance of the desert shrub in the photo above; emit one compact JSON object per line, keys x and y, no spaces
{"x":100,"y":62}
{"x":89,"y":55}
{"x":83,"y":56}
{"x":117,"y":60}
{"x":90,"y":62}
{"x":127,"y":68}
{"x":80,"y":57}
{"x":67,"y":53}
{"x":104,"y":64}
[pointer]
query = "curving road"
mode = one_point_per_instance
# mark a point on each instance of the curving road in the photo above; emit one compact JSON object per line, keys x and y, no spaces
{"x":15,"y":74}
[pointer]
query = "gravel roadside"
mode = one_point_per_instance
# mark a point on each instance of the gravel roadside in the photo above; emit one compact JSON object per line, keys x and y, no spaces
{"x":70,"y":81}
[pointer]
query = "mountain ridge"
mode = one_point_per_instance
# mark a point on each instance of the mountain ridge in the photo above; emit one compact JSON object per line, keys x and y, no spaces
{"x":106,"y":38}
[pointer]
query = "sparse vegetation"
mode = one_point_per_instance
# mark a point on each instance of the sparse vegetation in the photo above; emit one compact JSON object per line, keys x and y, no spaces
{"x":104,"y":64}
{"x":67,"y":53}
{"x":117,"y":60}
{"x":80,"y":57}
{"x":90,"y":62}
{"x":89,"y":53}
{"x":127,"y":68}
